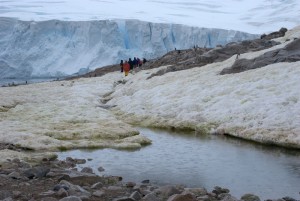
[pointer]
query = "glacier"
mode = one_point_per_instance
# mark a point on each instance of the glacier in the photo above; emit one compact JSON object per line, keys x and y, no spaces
{"x":57,"y":48}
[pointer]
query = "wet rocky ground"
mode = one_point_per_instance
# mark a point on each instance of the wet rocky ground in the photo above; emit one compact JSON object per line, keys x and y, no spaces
{"x":53,"y":180}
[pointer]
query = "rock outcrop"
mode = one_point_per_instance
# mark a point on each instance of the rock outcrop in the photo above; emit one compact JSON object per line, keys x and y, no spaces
{"x":290,"y":53}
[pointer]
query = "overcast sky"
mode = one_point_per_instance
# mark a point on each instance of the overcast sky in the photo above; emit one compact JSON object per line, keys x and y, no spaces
{"x":254,"y":16}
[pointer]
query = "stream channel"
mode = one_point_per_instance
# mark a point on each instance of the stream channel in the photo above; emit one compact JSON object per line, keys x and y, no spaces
{"x":202,"y":161}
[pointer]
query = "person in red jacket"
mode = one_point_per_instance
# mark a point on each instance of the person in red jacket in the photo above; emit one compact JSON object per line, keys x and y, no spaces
{"x":126,"y":68}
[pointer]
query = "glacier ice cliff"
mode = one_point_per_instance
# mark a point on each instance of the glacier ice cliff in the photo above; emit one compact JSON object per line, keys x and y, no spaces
{"x":55,"y":48}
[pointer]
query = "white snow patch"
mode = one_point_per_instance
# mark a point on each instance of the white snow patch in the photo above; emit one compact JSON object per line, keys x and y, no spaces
{"x":64,"y":114}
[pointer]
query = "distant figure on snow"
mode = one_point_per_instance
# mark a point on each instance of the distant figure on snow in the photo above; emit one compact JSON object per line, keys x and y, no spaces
{"x":139,"y":62}
{"x":121,"y":65}
{"x":126,"y":68}
{"x":130,"y":63}
{"x":144,"y":60}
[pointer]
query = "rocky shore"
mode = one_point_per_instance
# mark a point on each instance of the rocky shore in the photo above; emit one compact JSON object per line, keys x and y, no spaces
{"x":53,"y":180}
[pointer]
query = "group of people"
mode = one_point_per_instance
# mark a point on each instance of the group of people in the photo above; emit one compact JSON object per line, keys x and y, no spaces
{"x":126,"y":66}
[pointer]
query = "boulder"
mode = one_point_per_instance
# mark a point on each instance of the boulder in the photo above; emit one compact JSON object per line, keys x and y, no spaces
{"x":186,"y":197}
{"x":250,"y":197}
{"x":36,"y":172}
{"x":196,"y":191}
{"x":275,"y":34}
{"x":71,"y":198}
{"x":167,"y":191}
{"x":136,"y":196}
{"x":218,"y":190}
{"x":123,"y":199}
{"x":97,"y":185}
{"x":87,"y":170}
{"x":150,"y":197}
{"x":99,"y":194}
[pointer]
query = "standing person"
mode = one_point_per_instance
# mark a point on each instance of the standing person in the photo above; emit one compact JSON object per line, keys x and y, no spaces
{"x":134,"y":62}
{"x":144,"y":60}
{"x":126,"y":68}
{"x":130,"y":63}
{"x":139,"y":63}
{"x":121,"y":65}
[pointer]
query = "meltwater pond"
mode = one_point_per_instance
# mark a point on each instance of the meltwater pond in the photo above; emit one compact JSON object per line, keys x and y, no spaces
{"x":202,"y":161}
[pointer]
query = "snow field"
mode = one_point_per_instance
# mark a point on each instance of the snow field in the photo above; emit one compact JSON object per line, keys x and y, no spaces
{"x":261,"y":104}
{"x":63,"y":115}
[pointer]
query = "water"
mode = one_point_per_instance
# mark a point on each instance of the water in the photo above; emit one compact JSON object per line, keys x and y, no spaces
{"x":203,"y":161}
{"x":21,"y":81}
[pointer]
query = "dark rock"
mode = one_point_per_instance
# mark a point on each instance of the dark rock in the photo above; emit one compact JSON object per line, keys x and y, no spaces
{"x":71,"y":198}
{"x":144,"y":191}
{"x":75,"y":190}
{"x":196,"y":191}
{"x":186,"y":197}
{"x":15,"y":175}
{"x":101,"y":169}
{"x":167,"y":191}
{"x":130,"y":184}
{"x":62,"y":193}
{"x":36,"y":172}
{"x":275,"y":34}
{"x":289,"y":199}
{"x":87,"y":170}
{"x":290,"y":53}
{"x":250,"y":197}
{"x":70,"y":160}
{"x":227,"y":197}
{"x":136,"y":196}
{"x":99,"y":194}
{"x":97,"y":185}
{"x":84,"y":179}
{"x":203,"y":56}
{"x":218,"y":190}
{"x":58,"y":187}
{"x":80,"y":161}
{"x":147,"y":181}
{"x":65,"y":177}
{"x":150,"y":197}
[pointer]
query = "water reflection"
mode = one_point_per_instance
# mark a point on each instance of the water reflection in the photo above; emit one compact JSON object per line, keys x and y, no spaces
{"x":199,"y":160}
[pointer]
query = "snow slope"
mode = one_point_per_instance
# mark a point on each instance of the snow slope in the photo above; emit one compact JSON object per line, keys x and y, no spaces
{"x":261,"y":104}
{"x":55,"y":48}
{"x":63,"y":114}
{"x":253,"y":16}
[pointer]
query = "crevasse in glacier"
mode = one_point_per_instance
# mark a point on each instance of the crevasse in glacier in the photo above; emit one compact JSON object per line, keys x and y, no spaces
{"x":55,"y":48}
